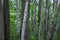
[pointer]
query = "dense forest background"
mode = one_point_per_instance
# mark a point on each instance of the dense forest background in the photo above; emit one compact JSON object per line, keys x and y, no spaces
{"x":34,"y":19}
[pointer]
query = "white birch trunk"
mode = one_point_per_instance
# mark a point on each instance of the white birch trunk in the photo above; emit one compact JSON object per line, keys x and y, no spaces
{"x":24,"y":20}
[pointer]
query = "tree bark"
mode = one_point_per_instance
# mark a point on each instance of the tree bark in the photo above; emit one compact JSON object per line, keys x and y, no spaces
{"x":22,"y":14}
{"x":52,"y":24}
{"x":57,"y":24}
{"x":25,"y":27}
{"x":34,"y":18}
{"x":17,"y":18}
{"x":27,"y":23}
{"x":1,"y":21}
{"x":46,"y":21}
{"x":6,"y":19}
{"x":56,"y":28}
{"x":39,"y":18}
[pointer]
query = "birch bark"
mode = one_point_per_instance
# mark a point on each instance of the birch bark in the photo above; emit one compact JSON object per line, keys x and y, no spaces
{"x":24,"y":26}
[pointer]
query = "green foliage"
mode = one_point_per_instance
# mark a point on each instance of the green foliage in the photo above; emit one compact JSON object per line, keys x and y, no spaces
{"x":13,"y":33}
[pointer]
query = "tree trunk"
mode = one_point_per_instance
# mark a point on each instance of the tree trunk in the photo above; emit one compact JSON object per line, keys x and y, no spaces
{"x":57,"y":24}
{"x":56,"y":28}
{"x":6,"y":19}
{"x":27,"y":23}
{"x":46,"y":21}
{"x":22,"y":14}
{"x":1,"y":21}
{"x":34,"y":18}
{"x":25,"y":27}
{"x":39,"y":18}
{"x":52,"y":24}
{"x":17,"y":18}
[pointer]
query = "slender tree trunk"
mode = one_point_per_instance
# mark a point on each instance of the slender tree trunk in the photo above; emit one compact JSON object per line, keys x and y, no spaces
{"x":56,"y":28}
{"x":52,"y":24}
{"x":6,"y":19}
{"x":25,"y":27}
{"x":34,"y":18}
{"x":32,"y":13}
{"x":39,"y":18}
{"x":17,"y":18}
{"x":57,"y":24}
{"x":1,"y":21}
{"x":46,"y":21}
{"x":22,"y":14}
{"x":27,"y":23}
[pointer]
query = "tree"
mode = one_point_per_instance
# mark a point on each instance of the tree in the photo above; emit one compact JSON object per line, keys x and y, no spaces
{"x":56,"y":28}
{"x":1,"y":21}
{"x":57,"y":24}
{"x":46,"y":21}
{"x":17,"y":18}
{"x":22,"y":14}
{"x":39,"y":18}
{"x":25,"y":26}
{"x":34,"y":17}
{"x":6,"y":19}
{"x":52,"y":24}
